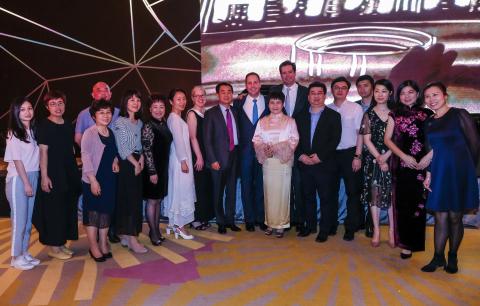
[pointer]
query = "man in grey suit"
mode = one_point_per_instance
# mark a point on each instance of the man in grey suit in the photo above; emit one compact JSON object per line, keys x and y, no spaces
{"x":295,"y":103}
{"x":220,"y":135}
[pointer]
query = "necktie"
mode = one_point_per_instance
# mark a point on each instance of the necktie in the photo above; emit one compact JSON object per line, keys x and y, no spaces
{"x":230,"y":130}
{"x":287,"y":102}
{"x":255,"y":112}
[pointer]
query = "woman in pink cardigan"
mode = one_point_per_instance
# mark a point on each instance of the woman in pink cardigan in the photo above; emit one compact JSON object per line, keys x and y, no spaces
{"x":99,"y":179}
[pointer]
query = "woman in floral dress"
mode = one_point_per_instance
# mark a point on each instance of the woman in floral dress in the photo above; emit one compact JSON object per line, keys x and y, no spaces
{"x":405,"y":137}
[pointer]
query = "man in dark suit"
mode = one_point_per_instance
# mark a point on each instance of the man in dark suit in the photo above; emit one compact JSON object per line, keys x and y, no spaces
{"x":295,"y":103}
{"x":221,"y":141}
{"x":250,"y":109}
{"x":320,"y":129}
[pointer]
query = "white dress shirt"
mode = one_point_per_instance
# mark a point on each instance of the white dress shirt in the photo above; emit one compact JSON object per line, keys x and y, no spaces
{"x":234,"y":124}
{"x":292,"y":97}
{"x":248,"y":106}
{"x":352,"y":115}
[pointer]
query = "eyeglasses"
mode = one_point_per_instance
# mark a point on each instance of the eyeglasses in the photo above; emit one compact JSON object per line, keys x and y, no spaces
{"x":340,"y":88}
{"x":199,"y":96}
{"x":56,"y":104}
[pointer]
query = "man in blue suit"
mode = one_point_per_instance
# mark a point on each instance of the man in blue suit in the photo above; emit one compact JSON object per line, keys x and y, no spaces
{"x":249,"y":109}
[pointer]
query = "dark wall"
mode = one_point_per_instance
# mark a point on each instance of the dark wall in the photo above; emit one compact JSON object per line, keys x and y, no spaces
{"x":70,"y":45}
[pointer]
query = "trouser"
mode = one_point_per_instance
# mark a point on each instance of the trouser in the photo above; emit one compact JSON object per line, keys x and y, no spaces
{"x":21,"y":211}
{"x":225,"y":181}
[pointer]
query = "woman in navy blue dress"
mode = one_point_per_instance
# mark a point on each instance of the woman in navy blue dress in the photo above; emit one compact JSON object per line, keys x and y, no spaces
{"x":451,"y":178}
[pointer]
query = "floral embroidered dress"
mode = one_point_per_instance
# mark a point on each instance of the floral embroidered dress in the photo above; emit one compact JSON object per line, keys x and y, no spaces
{"x":377,"y":185}
{"x":408,"y":194}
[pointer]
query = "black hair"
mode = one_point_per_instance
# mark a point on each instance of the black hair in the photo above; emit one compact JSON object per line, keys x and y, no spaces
{"x":407,"y":83}
{"x":15,"y":125}
{"x":52,"y":95}
{"x":276,"y":95}
{"x":287,"y":63}
{"x":124,"y":102}
{"x":98,"y":105}
{"x":174,"y":91}
{"x":317,"y":84}
{"x":437,"y":84}
{"x":389,"y":86}
{"x":217,"y":88}
{"x":365,"y":77}
{"x":341,"y":79}
{"x":252,"y":73}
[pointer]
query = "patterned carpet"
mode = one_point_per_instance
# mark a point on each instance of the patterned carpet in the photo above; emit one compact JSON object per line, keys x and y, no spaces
{"x":242,"y":269}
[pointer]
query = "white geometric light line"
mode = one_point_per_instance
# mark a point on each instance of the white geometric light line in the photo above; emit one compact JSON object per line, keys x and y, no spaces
{"x":188,"y":51}
{"x":133,"y":33}
{"x":63,"y":35}
{"x":191,"y":42}
{"x":188,"y":34}
{"x":143,"y":81}
{"x":156,"y":2}
{"x":28,"y":96}
{"x":39,"y":96}
{"x":169,"y":68}
{"x":122,"y":77}
{"x":23,"y":63}
{"x":194,"y":51}
{"x":157,"y":55}
{"x":61,"y":48}
{"x":87,"y":73}
{"x":150,"y":48}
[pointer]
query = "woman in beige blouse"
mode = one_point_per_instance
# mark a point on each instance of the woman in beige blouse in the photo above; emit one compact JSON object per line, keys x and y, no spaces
{"x":275,"y":140}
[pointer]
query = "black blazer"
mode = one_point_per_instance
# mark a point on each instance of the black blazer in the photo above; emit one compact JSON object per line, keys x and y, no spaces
{"x":215,"y":136}
{"x":245,"y":127}
{"x":301,"y":103}
{"x":325,"y":138}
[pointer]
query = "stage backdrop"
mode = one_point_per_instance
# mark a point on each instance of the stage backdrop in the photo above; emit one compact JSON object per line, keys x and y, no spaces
{"x":424,"y":40}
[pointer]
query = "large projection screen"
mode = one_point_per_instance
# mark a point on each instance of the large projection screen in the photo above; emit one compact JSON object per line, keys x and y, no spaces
{"x":424,"y":40}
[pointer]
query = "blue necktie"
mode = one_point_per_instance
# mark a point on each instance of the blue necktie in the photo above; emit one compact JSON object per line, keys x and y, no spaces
{"x":255,"y":112}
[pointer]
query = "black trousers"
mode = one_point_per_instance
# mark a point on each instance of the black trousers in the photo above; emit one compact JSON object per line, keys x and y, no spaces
{"x":318,"y":179}
{"x":296,"y":197}
{"x":353,"y":187}
{"x":225,"y":180}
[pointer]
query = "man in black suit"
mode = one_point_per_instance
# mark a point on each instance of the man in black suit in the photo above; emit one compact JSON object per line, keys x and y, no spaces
{"x":295,"y":103}
{"x":250,"y":109}
{"x":320,"y":129}
{"x":221,"y":141}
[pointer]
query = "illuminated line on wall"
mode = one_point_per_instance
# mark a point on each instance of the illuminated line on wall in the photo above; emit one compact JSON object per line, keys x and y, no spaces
{"x":22,"y":62}
{"x":155,"y":3}
{"x":191,"y":42}
{"x":189,"y":52}
{"x":151,"y":46}
{"x":42,"y":85}
{"x":206,"y":19}
{"x":122,"y":77}
{"x":170,"y":68}
{"x":39,"y":95}
{"x":191,"y":31}
{"x":194,"y":51}
{"x":157,"y":55}
{"x":60,"y":34}
{"x":62,"y":48}
{"x":143,"y":81}
{"x":133,"y":33}
{"x":86,"y":74}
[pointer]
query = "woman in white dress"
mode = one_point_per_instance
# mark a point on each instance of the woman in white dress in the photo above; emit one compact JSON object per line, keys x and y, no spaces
{"x":275,"y":140}
{"x":180,"y":201}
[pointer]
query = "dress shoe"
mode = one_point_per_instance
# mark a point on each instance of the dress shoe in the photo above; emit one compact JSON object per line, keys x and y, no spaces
{"x":369,"y":232}
{"x":405,"y":255}
{"x":438,"y":260}
{"x":262,"y":226}
{"x":250,"y":227}
{"x":304,"y":232}
{"x":66,"y":250}
{"x":268,"y":231}
{"x":332,"y":231}
{"x":279,"y":233}
{"x":113,"y":238}
{"x":452,"y":263}
{"x":182,"y":233}
{"x":235,"y":228}
{"x":222,"y":229}
{"x":322,"y":237}
{"x":108,"y":255}
{"x":97,"y":259}
{"x":349,"y":235}
{"x":59,"y":255}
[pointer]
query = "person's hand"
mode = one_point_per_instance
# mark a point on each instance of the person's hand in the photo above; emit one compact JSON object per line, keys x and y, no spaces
{"x":356,"y":164}
{"x":95,"y":188}
{"x":46,"y":184}
{"x":115,"y":166}
{"x":423,"y":163}
{"x":184,"y":166}
{"x":427,"y":181}
{"x":305,"y":159}
{"x":215,"y":166}
{"x":199,"y":164}
{"x":314,"y":159}
{"x":138,"y":169}
{"x":384,"y":167}
{"x":154,"y":179}
{"x":141,"y":161}
{"x":410,"y":162}
{"x":381,"y":159}
{"x":28,"y":189}
{"x":268,"y":150}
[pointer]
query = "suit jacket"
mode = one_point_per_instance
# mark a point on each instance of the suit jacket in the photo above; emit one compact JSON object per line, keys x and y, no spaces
{"x":326,"y":136}
{"x":301,"y":103}
{"x":215,"y":136}
{"x":245,"y":127}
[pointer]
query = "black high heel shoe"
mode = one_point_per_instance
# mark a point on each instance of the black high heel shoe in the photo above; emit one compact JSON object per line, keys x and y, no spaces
{"x":437,"y":261}
{"x":108,"y":255}
{"x":97,"y":259}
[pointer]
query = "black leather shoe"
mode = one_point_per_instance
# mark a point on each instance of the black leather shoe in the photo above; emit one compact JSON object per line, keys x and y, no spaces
{"x":97,"y":259}
{"x":235,"y":228}
{"x":250,"y":227}
{"x":349,"y":235}
{"x":222,"y":229}
{"x":452,"y":263}
{"x":262,"y":226}
{"x":108,"y":255}
{"x":405,"y":255}
{"x":304,"y":232}
{"x":332,"y":232}
{"x":113,"y":238}
{"x":322,"y":237}
{"x":369,"y":231}
{"x":437,"y":261}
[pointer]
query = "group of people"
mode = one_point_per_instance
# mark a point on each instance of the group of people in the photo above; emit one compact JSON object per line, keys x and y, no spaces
{"x":391,"y":152}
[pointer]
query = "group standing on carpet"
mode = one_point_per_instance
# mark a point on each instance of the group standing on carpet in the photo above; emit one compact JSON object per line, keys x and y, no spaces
{"x":391,"y":152}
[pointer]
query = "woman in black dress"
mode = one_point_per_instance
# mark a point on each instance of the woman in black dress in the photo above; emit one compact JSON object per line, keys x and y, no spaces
{"x":156,"y":140}
{"x":203,"y":185}
{"x":406,"y":138}
{"x":99,"y":179}
{"x":55,"y":211}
